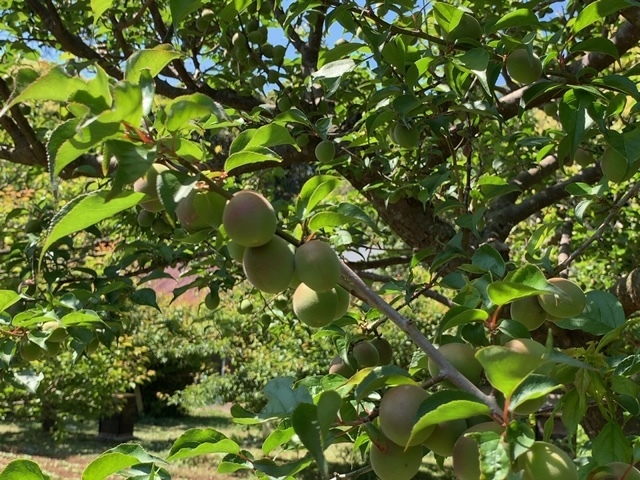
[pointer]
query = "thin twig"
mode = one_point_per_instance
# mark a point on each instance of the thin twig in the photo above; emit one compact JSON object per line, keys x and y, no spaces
{"x":598,"y":233}
{"x":122,"y":24}
{"x":353,"y":474}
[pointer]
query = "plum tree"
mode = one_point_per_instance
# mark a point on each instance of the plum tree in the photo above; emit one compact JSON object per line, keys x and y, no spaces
{"x":524,"y":67}
{"x":466,"y":455}
{"x":325,"y":151}
{"x":545,"y":460}
{"x":365,"y":354}
{"x":316,"y":309}
{"x":317,"y":265}
{"x":147,"y":184}
{"x":398,"y":409}
{"x":569,"y":303}
{"x":269,"y":267}
{"x":385,"y":351}
{"x":529,"y":312}
{"x":249,"y":219}
{"x":390,"y":461}
{"x":614,"y":165}
{"x":444,"y":437}
{"x":462,"y":356}
{"x":200,"y":210}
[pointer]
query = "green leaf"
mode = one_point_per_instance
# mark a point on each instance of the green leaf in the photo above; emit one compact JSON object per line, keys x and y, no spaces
{"x":446,"y":405}
{"x":99,"y":7}
{"x":522,"y":17}
{"x":181,"y":9}
{"x":328,"y":405}
{"x":201,"y":441}
{"x":8,"y":298}
{"x":602,"y":314}
{"x":338,"y":52}
{"x":154,"y":60}
{"x":506,"y":369}
{"x":81,"y":317}
{"x":492,"y":186}
{"x":611,"y":445}
{"x":447,"y":16}
{"x":505,"y":292}
{"x":305,"y":422}
{"x":487,"y":258}
{"x":133,"y":162}
{"x":335,"y":69}
{"x":231,"y":11}
{"x":459,"y":315}
{"x":494,"y":458}
{"x":271,"y":135}
{"x":117,"y":459}
{"x":85,"y":211}
{"x":181,"y":110}
{"x":249,"y":157}
{"x":23,"y":470}
{"x":319,"y":194}
{"x":534,"y":386}
{"x":597,"y":10}
{"x":597,"y":44}
{"x":379,"y":377}
{"x":145,"y":296}
{"x":277,"y":438}
{"x":282,"y":398}
{"x":55,"y":85}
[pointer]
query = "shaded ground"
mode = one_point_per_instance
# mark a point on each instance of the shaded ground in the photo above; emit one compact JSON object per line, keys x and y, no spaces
{"x":66,"y":459}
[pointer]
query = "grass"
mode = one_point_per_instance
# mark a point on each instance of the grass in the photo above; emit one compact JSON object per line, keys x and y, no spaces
{"x":66,"y":459}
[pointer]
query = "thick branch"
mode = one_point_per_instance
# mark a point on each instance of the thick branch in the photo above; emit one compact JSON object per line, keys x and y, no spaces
{"x":627,"y":289}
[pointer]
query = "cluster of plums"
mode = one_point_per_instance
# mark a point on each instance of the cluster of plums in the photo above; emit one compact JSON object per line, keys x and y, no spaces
{"x":363,"y":354}
{"x":533,"y":311}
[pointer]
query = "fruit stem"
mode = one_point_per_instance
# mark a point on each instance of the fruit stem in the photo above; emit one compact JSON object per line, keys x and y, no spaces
{"x":410,"y":328}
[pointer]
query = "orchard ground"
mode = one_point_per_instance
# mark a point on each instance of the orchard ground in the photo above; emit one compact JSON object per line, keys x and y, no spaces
{"x":66,"y":459}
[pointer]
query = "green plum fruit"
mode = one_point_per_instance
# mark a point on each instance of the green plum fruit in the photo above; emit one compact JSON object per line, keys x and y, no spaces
{"x":160,"y":227}
{"x":406,"y":137}
{"x":145,"y":218}
{"x":462,"y":357}
{"x":236,"y":251}
{"x":200,"y":210}
{"x":269,"y":267}
{"x":205,"y":20}
{"x":444,"y":437}
{"x":522,"y":67}
{"x":212,"y":299}
{"x":317,"y":265}
{"x":614,"y":165}
{"x":397,"y":414}
{"x":466,"y":454}
{"x":365,"y":354}
{"x":390,"y":461}
{"x":340,"y":367}
{"x":468,"y":28}
{"x":148,"y":185}
{"x":30,"y":351}
{"x":343,"y":302}
{"x":583,"y":157}
{"x":316,"y":309}
{"x":569,"y":303}
{"x":528,"y":312}
{"x":526,"y":346}
{"x":545,"y":460}
{"x":385,"y":351}
{"x":249,"y":219}
{"x":325,"y":151}
{"x":57,"y":333}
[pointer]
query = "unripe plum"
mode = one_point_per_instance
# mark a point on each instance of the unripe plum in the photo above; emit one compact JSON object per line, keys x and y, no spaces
{"x":147,"y":185}
{"x":317,"y":265}
{"x":468,"y":27}
{"x":466,"y":455}
{"x":245,"y":307}
{"x":201,"y":210}
{"x":316,"y":309}
{"x":393,"y":462}
{"x":462,"y":357}
{"x":269,"y":267}
{"x":385,"y":352}
{"x":325,"y":151}
{"x":365,"y":354}
{"x":406,"y":137}
{"x":583,"y":157}
{"x":528,"y":312}
{"x":526,"y":346}
{"x":30,"y":351}
{"x":249,"y":219}
{"x":212,"y":299}
{"x":568,"y":305}
{"x":545,"y":460}
{"x":343,"y":302}
{"x":340,"y":367}
{"x":236,"y":251}
{"x":145,"y":218}
{"x":444,"y":437}
{"x":397,"y":414}
{"x":615,"y":471}
{"x":522,"y":67}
